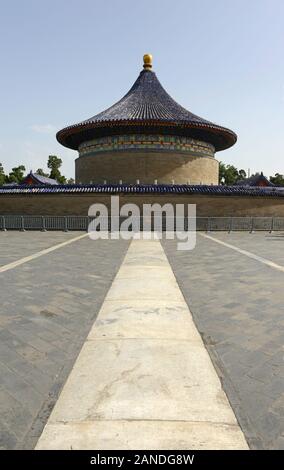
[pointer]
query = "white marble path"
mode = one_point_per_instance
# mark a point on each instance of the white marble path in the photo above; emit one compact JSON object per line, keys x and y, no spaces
{"x":143,"y":379}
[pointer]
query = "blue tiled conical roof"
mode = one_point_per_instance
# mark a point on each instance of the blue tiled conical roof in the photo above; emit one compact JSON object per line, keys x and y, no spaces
{"x":147,"y":108}
{"x":147,"y":100}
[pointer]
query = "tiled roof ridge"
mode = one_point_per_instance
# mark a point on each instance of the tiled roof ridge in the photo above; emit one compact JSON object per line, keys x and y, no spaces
{"x":254,"y":179}
{"x":43,"y":179}
{"x":144,"y":189}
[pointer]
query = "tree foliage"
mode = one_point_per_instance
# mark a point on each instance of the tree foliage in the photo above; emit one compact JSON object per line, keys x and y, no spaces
{"x":16,"y":175}
{"x":2,"y":175}
{"x":40,"y":172}
{"x":229,"y":174}
{"x":277,"y":179}
{"x":54,"y":163}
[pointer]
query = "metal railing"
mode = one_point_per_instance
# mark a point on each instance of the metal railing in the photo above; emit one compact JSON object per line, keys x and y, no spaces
{"x":205,"y":224}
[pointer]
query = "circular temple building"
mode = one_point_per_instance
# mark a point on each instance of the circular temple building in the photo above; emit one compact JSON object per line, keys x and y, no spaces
{"x":146,"y":138}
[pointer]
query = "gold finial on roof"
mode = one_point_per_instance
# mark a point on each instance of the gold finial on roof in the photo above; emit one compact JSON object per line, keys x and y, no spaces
{"x":147,"y":58}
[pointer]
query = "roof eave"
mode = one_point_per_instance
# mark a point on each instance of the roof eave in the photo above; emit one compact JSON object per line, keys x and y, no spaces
{"x":221,"y":137}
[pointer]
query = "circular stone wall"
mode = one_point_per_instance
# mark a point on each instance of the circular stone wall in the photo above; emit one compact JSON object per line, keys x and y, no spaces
{"x":146,"y":158}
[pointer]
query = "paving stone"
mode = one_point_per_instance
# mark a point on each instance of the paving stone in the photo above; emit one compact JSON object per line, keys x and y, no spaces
{"x":14,"y":415}
{"x":49,"y":306}
{"x":128,"y":435}
{"x":237,"y":304}
{"x":153,"y":379}
{"x":8,"y":440}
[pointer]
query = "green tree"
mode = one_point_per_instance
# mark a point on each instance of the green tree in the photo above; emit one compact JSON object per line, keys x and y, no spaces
{"x":2,"y":175}
{"x":229,"y":174}
{"x":222,"y":172}
{"x":277,"y":179}
{"x":54,"y":163}
{"x":242,"y":174}
{"x":17,"y":174}
{"x":70,"y":181}
{"x":40,"y":172}
{"x":61,"y":179}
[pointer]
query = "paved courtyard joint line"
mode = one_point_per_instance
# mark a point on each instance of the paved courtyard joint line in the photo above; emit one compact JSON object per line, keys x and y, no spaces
{"x":26,"y":259}
{"x":143,"y":378}
{"x":249,"y":254}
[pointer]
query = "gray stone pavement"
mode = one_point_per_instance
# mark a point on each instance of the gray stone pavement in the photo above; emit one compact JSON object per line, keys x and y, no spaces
{"x":47,"y":308}
{"x":49,"y":304}
{"x":147,"y":381}
{"x":269,"y":246}
{"x":15,"y":245}
{"x":238,"y":306}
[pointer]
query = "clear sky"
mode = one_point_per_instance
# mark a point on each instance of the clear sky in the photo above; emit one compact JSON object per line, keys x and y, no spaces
{"x":62,"y":61}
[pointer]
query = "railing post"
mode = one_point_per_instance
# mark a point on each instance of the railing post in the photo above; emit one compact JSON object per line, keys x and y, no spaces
{"x":4,"y":224}
{"x":208,"y":225}
{"x":252,"y":225}
{"x":65,"y":224}
{"x":22,"y":224}
{"x":43,"y":227}
{"x":272,"y":225}
{"x":231,"y":225}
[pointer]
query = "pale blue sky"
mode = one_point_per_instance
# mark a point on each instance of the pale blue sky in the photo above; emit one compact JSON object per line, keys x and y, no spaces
{"x":63,"y":61}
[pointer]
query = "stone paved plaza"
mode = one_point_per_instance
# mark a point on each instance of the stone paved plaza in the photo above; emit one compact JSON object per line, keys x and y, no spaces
{"x":238,"y":306}
{"x":49,"y":305}
{"x":47,"y":308}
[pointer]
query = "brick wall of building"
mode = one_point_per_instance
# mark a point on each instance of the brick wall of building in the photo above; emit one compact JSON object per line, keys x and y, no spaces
{"x":146,"y":166}
{"x":78,"y":204}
